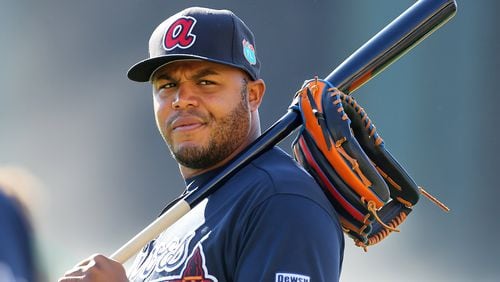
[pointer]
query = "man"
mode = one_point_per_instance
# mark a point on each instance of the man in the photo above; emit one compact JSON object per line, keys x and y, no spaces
{"x":270,"y":221}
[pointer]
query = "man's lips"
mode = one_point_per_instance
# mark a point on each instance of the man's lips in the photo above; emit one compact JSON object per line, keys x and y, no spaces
{"x":186,"y":124}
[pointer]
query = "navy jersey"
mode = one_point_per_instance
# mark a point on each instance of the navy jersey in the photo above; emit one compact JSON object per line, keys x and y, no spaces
{"x":269,"y":222}
{"x":16,"y":261}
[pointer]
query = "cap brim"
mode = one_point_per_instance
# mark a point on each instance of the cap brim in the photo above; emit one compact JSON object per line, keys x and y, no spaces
{"x":143,"y":70}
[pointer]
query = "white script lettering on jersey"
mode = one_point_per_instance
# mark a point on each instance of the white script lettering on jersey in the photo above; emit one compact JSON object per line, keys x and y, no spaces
{"x":173,"y":254}
{"x":164,"y":257}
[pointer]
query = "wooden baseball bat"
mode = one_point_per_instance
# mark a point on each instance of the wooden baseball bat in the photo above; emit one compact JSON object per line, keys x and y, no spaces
{"x":392,"y":42}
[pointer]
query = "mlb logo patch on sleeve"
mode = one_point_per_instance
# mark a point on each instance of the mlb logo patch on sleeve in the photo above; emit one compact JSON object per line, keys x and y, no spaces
{"x":291,"y":277}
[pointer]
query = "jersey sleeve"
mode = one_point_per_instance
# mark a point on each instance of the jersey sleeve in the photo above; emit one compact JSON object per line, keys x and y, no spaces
{"x":291,"y":238}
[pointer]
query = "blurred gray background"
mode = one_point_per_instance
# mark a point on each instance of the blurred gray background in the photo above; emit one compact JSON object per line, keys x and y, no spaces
{"x":69,"y":115}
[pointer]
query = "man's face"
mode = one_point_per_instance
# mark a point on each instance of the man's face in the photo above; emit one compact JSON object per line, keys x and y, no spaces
{"x":201,"y":111}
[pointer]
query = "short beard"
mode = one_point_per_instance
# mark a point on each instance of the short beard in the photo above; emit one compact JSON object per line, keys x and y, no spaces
{"x":230,"y":132}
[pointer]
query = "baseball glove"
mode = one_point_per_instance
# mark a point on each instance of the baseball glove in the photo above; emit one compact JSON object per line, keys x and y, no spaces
{"x":340,"y":147}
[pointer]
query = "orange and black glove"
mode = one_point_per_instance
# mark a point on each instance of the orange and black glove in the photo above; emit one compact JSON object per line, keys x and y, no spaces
{"x":340,"y":147}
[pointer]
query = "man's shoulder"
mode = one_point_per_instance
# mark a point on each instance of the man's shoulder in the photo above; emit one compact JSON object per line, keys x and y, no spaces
{"x":280,"y":174}
{"x":272,"y":175}
{"x":280,"y":168}
{"x":276,"y":161}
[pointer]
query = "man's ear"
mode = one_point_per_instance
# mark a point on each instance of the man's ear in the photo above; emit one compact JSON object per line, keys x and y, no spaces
{"x":256,"y":90}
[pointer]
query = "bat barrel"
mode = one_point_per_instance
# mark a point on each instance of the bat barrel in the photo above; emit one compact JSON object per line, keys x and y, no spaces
{"x":397,"y":38}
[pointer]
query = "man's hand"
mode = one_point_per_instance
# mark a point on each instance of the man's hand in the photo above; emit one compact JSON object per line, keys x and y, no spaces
{"x":96,"y":268}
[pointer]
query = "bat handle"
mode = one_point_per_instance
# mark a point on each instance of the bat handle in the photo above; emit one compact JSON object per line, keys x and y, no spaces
{"x":134,"y":245}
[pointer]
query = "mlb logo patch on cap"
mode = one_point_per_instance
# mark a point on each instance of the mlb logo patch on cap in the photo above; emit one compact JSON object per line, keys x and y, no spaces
{"x":249,"y":52}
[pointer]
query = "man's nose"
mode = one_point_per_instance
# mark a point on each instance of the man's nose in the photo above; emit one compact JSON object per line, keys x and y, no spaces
{"x":184,"y":97}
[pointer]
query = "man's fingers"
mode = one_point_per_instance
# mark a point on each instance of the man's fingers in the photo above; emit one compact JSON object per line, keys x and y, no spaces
{"x":84,"y":262}
{"x":81,"y":272}
{"x":76,"y":271}
{"x":71,"y":279}
{"x":82,"y":268}
{"x":92,"y":260}
{"x":96,"y":268}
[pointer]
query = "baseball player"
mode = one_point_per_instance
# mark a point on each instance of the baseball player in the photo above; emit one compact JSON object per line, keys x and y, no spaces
{"x":270,"y":221}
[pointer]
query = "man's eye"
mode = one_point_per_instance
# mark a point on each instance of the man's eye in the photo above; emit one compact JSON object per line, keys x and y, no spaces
{"x":206,"y":82}
{"x":166,"y":85}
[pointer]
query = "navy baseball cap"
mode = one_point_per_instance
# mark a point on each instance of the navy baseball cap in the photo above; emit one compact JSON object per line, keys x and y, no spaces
{"x":200,"y":33}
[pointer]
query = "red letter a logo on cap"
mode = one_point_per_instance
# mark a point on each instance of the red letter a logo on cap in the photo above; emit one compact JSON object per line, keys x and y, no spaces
{"x":179,"y":34}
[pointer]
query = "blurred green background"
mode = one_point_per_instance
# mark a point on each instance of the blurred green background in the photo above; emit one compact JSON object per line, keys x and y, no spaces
{"x":69,"y":115}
